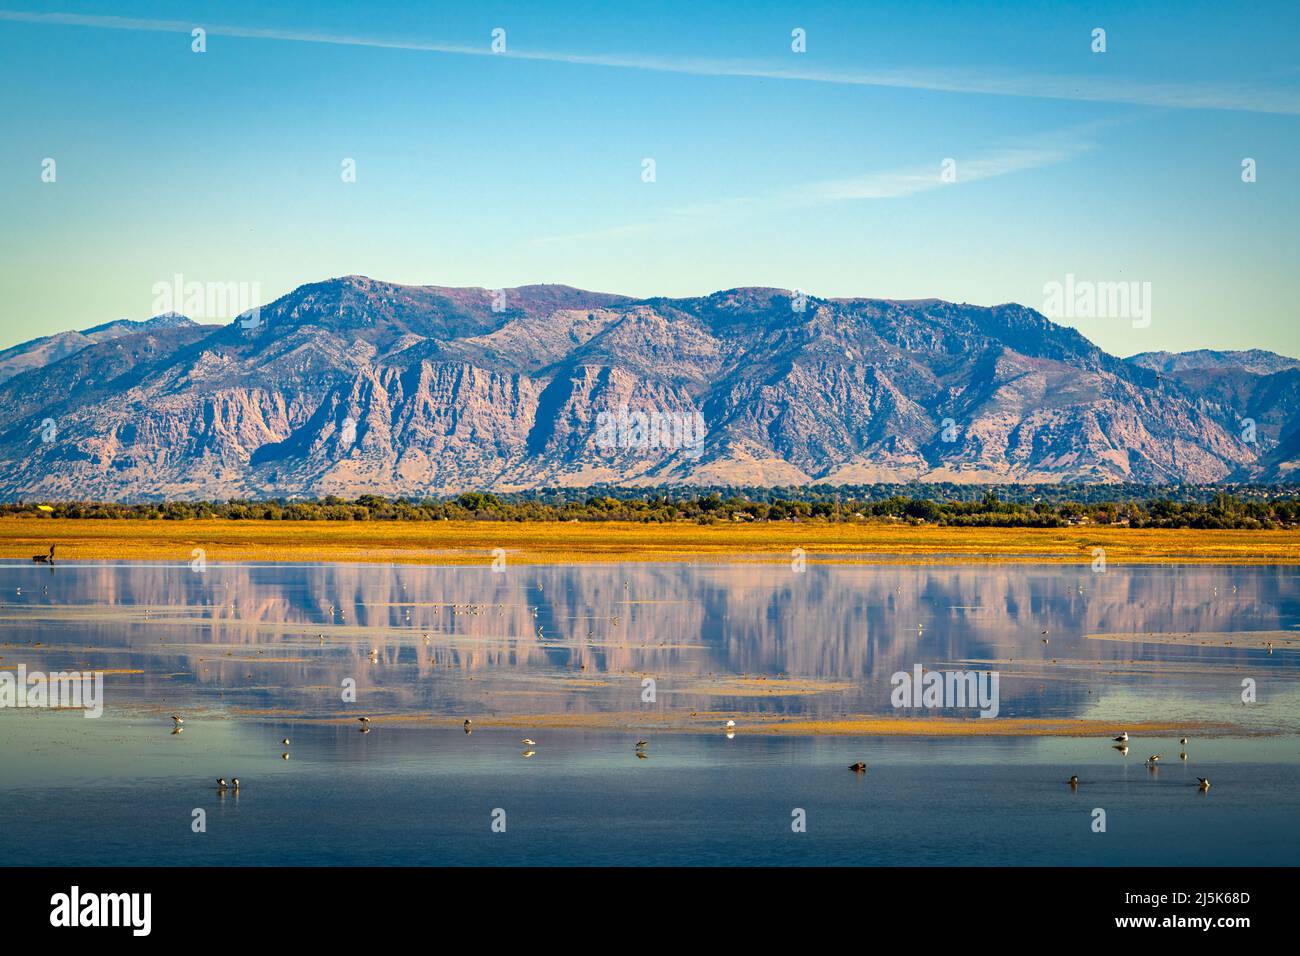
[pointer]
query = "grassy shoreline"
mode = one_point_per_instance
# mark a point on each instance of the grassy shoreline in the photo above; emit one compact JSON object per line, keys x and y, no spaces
{"x":536,"y":542}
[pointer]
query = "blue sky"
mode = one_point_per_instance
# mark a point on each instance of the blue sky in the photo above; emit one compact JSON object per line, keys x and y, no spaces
{"x":816,"y":170}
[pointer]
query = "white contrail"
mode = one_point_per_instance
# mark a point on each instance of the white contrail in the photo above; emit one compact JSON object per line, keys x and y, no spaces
{"x":1080,"y":88}
{"x":886,"y":184}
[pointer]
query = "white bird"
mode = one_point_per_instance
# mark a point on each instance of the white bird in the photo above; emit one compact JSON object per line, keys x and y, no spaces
{"x":177,"y":719}
{"x":221,"y":783}
{"x":1205,"y":783}
{"x":529,"y":742}
{"x":234,"y":783}
{"x":730,"y":724}
{"x":1153,"y":759}
{"x":285,"y":741}
{"x":1183,"y":741}
{"x":364,"y":720}
{"x":1123,"y":737}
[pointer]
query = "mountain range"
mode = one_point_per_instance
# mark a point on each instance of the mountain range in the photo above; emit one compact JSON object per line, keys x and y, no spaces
{"x":354,"y":386}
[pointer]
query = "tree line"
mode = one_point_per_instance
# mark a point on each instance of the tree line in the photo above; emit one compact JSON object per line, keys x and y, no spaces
{"x":1216,"y":510}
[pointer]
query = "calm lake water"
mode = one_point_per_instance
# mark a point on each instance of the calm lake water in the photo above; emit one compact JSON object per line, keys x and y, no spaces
{"x":251,"y":654}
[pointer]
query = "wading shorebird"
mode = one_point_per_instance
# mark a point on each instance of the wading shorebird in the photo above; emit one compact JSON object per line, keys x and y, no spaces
{"x":1073,"y":781}
{"x":731,"y":724}
{"x":1204,"y":783}
{"x":467,"y":724}
{"x":285,"y":742}
{"x":528,"y":742}
{"x":44,"y":558}
{"x":858,"y":767}
{"x":221,"y":783}
{"x":1183,"y":741}
{"x":177,"y":719}
{"x":364,"y":721}
{"x":1122,"y":738}
{"x":642,"y":744}
{"x":1153,"y":760}
{"x":234,"y":783}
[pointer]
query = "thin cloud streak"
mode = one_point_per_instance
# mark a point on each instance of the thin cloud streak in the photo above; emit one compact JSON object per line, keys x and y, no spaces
{"x":886,"y":184}
{"x":1077,"y":88}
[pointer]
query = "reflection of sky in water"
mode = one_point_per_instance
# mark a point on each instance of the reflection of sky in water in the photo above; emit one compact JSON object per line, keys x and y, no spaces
{"x":244,"y":642}
{"x":580,"y":639}
{"x":122,"y":791}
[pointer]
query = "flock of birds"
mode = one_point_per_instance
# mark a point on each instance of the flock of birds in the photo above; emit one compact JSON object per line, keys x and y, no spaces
{"x":178,"y":723}
{"x":860,"y":767}
{"x":1152,"y":762}
{"x":1121,"y":739}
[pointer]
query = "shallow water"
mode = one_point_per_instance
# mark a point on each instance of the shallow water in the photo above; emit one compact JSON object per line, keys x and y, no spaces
{"x":251,"y":654}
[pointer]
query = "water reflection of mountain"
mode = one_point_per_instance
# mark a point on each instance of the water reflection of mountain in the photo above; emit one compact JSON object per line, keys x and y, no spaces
{"x":580,"y":638}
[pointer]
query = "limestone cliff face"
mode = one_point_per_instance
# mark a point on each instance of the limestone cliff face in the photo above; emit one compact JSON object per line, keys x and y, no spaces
{"x":353,"y":385}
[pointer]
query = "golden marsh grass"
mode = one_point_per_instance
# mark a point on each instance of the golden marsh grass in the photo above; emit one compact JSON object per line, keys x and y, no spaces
{"x":473,"y":542}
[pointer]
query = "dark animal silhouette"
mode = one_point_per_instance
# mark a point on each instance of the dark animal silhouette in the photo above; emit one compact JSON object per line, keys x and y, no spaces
{"x":44,"y":558}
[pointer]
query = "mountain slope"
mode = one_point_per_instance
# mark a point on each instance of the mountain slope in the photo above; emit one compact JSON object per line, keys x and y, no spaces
{"x":1254,"y":394}
{"x":44,"y":351}
{"x":354,"y":385}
